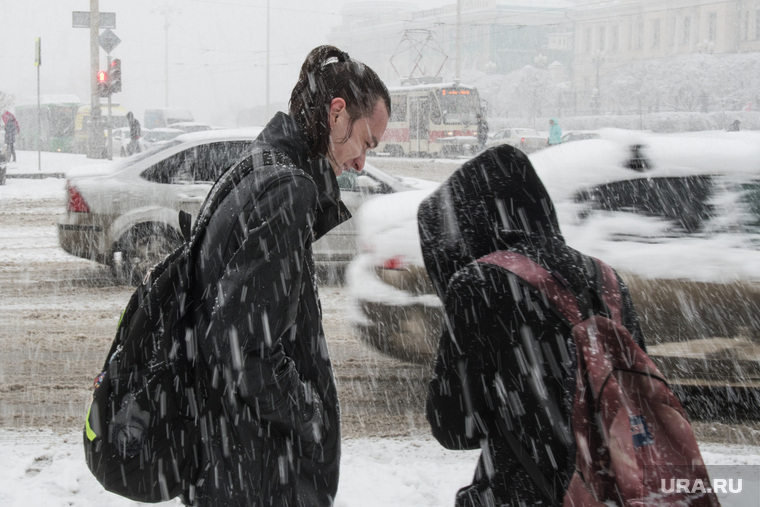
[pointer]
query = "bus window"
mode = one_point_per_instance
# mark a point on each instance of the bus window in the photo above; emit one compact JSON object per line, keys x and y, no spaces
{"x":398,"y":108}
{"x":419,"y":118}
{"x":435,"y":110}
{"x":459,"y":106}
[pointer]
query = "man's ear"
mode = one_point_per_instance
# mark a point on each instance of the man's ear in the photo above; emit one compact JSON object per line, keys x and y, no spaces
{"x":336,"y":106}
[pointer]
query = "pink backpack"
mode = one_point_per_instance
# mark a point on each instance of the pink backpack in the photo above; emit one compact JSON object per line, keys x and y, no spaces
{"x":632,"y":435}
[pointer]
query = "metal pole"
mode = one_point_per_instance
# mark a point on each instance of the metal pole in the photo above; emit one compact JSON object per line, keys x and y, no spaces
{"x":38,"y":62}
{"x":267,"y":97}
{"x":459,"y":39}
{"x":92,"y":132}
{"x":166,"y":55}
{"x":110,"y":129}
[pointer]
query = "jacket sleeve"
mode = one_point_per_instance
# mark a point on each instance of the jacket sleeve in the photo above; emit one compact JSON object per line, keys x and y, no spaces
{"x":257,"y":302}
{"x":456,"y":403}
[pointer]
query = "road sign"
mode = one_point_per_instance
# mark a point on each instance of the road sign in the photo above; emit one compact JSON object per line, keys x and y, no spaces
{"x":108,"y":40}
{"x":81,"y":19}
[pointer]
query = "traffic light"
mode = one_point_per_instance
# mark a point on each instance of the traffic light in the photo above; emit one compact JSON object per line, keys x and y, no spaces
{"x":114,"y":76}
{"x":102,"y":77}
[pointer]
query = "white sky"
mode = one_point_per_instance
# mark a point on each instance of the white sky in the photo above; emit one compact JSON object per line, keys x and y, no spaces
{"x":217,"y":50}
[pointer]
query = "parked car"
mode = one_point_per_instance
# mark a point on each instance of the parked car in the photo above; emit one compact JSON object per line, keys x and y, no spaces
{"x":160,"y":135}
{"x":126,"y":216}
{"x":579,"y":135}
{"x":3,"y":164}
{"x":677,"y":215}
{"x":190,"y":126}
{"x":122,"y":138}
{"x":525,"y":139}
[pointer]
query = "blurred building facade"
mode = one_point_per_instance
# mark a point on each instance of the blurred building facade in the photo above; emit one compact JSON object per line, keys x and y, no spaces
{"x":597,"y":51}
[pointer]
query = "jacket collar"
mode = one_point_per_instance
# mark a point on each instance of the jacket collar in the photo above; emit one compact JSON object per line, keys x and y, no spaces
{"x":285,"y":135}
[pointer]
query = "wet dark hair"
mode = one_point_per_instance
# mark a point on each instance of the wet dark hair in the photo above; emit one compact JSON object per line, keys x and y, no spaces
{"x":328,"y":73}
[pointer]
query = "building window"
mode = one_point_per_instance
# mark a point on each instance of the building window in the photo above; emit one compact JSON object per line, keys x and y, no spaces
{"x":656,"y":34}
{"x":602,"y":38}
{"x":686,"y":34}
{"x":757,"y":25}
{"x":672,"y":33}
{"x":712,"y":26}
{"x":615,"y":38}
{"x":640,"y":34}
{"x":587,"y":40}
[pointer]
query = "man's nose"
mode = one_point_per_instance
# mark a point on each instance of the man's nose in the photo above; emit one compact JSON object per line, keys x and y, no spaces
{"x":359,"y":162}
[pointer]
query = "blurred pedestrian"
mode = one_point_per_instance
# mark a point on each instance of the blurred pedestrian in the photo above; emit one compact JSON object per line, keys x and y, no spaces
{"x":505,"y":358}
{"x":482,"y":132}
{"x":12,"y":129}
{"x":268,"y":403}
{"x":555,"y":132}
{"x":135,"y":133}
{"x":734,"y":127}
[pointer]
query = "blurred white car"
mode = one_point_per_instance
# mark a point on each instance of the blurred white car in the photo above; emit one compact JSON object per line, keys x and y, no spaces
{"x":677,"y":215}
{"x":126,"y":215}
{"x":525,"y":139}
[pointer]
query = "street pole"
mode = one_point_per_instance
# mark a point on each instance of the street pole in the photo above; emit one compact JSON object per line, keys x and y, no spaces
{"x":459,"y":39}
{"x":38,"y":64}
{"x":94,"y":128}
{"x":267,"y":97}
{"x":110,"y":127}
{"x":166,"y":55}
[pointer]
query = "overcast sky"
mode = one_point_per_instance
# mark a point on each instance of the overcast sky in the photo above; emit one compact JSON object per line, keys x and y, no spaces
{"x":216,"y":50}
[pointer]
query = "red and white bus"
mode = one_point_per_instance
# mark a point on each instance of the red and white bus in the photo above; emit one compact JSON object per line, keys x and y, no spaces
{"x":437,"y":119}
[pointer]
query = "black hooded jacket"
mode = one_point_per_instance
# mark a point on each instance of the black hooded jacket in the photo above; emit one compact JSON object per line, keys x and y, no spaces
{"x":269,"y":406}
{"x":499,"y":337}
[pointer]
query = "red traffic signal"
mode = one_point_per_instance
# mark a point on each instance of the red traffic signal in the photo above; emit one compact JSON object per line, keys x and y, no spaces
{"x":102,"y":78}
{"x":114,"y":76}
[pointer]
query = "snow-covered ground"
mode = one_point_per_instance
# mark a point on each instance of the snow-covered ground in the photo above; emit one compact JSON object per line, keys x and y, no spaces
{"x":41,"y":467}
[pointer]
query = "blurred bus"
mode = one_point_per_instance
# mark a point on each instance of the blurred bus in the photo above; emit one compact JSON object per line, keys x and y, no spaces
{"x":431,"y":119}
{"x":53,"y":123}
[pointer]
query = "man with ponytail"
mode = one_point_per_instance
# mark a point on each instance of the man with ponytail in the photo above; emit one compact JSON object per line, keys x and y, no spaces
{"x":267,"y":400}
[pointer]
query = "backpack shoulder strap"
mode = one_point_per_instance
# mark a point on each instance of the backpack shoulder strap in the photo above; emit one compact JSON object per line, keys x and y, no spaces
{"x":609,"y":290}
{"x":538,"y":276}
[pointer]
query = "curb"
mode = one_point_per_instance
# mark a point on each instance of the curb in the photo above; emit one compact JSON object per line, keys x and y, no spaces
{"x":35,"y":176}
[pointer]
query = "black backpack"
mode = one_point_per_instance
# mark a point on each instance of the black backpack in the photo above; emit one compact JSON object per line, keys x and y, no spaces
{"x":141,"y":436}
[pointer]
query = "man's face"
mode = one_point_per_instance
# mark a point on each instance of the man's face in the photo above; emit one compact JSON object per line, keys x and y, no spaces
{"x":350,"y":153}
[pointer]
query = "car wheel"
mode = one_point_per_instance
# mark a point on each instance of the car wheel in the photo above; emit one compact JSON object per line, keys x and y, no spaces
{"x":144,"y":246}
{"x":410,"y":333}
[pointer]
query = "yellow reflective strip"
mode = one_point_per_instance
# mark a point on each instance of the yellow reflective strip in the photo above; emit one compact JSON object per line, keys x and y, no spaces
{"x":90,"y":434}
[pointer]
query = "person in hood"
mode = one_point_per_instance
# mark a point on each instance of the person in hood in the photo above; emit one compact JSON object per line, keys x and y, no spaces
{"x":499,"y":341}
{"x":268,"y":404}
{"x":12,"y":129}
{"x":555,"y":132}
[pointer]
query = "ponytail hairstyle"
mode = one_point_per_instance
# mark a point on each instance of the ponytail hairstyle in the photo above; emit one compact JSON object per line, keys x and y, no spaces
{"x":326,"y":74}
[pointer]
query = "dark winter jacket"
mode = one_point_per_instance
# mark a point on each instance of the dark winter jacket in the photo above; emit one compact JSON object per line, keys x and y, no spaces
{"x":501,"y":340}
{"x":270,"y":416}
{"x":11,"y":130}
